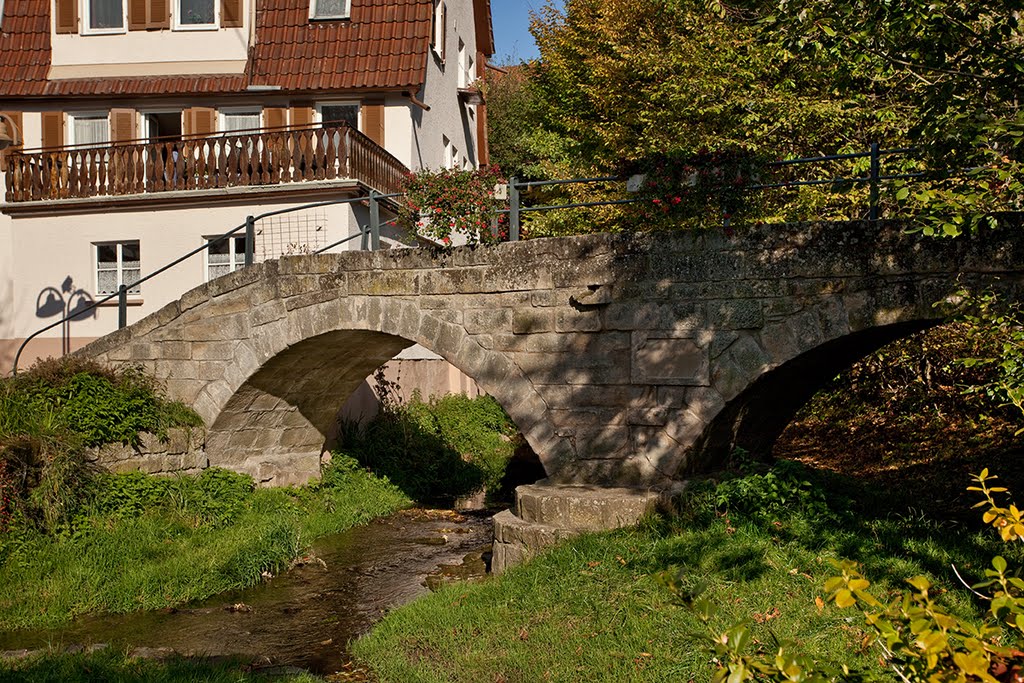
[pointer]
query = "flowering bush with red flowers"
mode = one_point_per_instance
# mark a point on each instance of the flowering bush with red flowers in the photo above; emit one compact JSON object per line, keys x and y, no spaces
{"x":710,"y":187}
{"x":440,"y":204}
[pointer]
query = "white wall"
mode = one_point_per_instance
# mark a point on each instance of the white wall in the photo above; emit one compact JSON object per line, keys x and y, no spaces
{"x":447,"y":116}
{"x":38,"y":252}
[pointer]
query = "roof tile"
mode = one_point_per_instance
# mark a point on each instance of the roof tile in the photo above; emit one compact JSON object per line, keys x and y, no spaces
{"x":383,"y":46}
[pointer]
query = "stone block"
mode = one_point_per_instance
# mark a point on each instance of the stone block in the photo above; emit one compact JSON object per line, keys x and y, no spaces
{"x":385,"y":282}
{"x":532,"y":321}
{"x":741,"y":314}
{"x":667,"y":357}
{"x":583,"y":508}
{"x":451,"y":281}
{"x":571,"y":320}
{"x":236,"y":280}
{"x":487,"y":321}
{"x":213,"y":350}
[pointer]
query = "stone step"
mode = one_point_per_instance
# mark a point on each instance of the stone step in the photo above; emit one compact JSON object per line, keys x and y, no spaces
{"x":583,"y":508}
{"x":516,"y":540}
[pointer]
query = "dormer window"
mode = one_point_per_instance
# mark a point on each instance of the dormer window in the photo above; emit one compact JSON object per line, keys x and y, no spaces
{"x":197,"y":14}
{"x":328,"y":9}
{"x":104,"y":16}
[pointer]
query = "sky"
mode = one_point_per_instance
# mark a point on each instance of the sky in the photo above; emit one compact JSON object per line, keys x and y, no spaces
{"x":513,"y":42}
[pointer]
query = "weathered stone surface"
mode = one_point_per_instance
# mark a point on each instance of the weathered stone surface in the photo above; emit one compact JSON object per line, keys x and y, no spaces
{"x":619,"y":356}
{"x":585,"y":508}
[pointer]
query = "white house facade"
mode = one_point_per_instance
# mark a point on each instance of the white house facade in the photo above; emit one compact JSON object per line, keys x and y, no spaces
{"x":148,"y":127}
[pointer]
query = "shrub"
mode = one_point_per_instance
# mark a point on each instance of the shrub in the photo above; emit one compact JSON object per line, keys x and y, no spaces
{"x":918,"y":638}
{"x":436,"y":450}
{"x":51,"y":413}
{"x":440,"y":204}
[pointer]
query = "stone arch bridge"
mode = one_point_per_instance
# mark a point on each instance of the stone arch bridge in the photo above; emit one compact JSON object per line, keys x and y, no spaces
{"x":625,"y":360}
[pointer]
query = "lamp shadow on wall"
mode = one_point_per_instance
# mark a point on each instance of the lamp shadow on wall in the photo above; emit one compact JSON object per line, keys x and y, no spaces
{"x":67,"y":301}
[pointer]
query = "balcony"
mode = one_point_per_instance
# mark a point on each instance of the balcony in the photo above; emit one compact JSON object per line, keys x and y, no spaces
{"x":245,"y":159}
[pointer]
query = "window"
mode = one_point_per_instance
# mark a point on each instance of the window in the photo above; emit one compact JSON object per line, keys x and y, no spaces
{"x":334,"y":113}
{"x":89,"y":128}
{"x":466,"y":75}
{"x":328,"y":9}
{"x":438,"y":32}
{"x":117,"y":263}
{"x":225,"y":256}
{"x":197,"y":14}
{"x":104,"y":16}
{"x":247,"y":119}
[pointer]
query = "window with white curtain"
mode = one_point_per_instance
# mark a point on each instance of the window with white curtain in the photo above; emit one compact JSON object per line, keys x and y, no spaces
{"x":117,"y":263}
{"x":224,"y":256}
{"x":238,"y":120}
{"x":89,"y":128}
{"x":104,"y":16}
{"x":197,"y":13}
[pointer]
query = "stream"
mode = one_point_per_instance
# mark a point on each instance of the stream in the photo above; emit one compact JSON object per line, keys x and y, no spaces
{"x":306,"y":616}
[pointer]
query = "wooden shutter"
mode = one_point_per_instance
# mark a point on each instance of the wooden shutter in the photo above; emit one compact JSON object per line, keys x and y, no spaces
{"x":66,"y":14}
{"x":275,"y":117}
{"x":200,"y":121}
{"x":301,"y":116}
{"x":373,"y":122}
{"x":53,"y":129}
{"x":123,"y":125}
{"x":137,"y":10}
{"x":146,"y":15}
{"x":17,"y":134}
{"x":159,"y":14}
{"x":231,"y":13}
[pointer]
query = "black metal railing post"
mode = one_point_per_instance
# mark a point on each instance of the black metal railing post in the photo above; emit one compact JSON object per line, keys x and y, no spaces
{"x":513,"y":210}
{"x":374,"y":221}
{"x":122,"y":307}
{"x":250,"y":240}
{"x":876,"y":165}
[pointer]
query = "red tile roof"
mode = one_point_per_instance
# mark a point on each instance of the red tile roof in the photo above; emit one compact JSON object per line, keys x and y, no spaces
{"x":384,"y":46}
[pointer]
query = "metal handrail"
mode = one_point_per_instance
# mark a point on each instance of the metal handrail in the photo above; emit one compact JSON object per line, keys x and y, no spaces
{"x":250,"y":238}
{"x":371,"y":233}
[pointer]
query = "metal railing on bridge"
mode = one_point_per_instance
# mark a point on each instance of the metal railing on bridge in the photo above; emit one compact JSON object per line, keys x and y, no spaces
{"x":370,"y":234}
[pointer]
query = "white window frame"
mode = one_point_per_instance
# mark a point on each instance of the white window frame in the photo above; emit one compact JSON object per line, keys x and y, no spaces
{"x":223,"y":113}
{"x":319,"y":112}
{"x":439,"y":29}
{"x":347,"y":12}
{"x":178,"y":26}
{"x":232,"y":255}
{"x":87,"y":29}
{"x":120,"y":266}
{"x":72,"y":116}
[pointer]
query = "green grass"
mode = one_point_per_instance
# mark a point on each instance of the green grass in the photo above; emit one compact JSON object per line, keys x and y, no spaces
{"x":111,"y":666}
{"x":592,"y":609}
{"x":184,"y":546}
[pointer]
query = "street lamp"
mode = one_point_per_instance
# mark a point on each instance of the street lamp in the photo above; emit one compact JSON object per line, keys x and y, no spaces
{"x":9,"y":132}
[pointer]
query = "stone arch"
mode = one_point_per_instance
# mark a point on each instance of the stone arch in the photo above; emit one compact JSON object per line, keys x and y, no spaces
{"x":757,"y":416}
{"x":273,"y":409}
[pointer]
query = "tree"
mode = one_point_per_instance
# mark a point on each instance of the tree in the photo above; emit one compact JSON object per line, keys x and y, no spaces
{"x":962,"y":60}
{"x":623,"y":81}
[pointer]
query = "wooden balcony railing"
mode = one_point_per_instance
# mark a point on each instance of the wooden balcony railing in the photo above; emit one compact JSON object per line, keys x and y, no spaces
{"x":229,"y":160}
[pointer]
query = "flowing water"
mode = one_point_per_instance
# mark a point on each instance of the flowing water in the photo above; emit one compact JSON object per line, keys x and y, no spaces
{"x":306,"y":616}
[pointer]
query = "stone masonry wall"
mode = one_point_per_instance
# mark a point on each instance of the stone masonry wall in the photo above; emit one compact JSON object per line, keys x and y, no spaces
{"x":182,"y":451}
{"x":612,"y":353}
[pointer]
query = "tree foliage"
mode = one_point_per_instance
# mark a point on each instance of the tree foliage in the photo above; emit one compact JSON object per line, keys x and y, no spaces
{"x":962,"y":61}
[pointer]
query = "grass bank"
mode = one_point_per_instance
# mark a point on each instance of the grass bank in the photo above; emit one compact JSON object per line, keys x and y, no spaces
{"x":111,"y":666}
{"x":145,"y":543}
{"x":594,"y":610}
